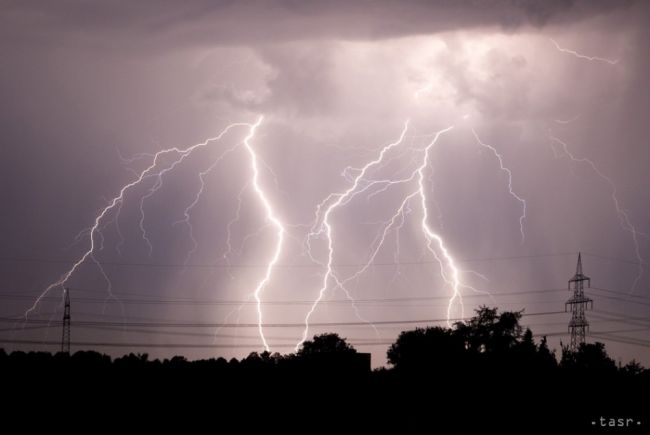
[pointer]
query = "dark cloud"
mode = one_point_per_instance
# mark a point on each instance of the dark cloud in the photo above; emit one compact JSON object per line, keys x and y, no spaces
{"x":164,"y":23}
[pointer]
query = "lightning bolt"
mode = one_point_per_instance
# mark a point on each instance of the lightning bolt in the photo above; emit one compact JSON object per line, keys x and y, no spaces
{"x":378,"y":243}
{"x":95,"y":230}
{"x":453,"y":280}
{"x":232,"y":222}
{"x":360,"y":184}
{"x":622,"y":214}
{"x":273,"y":219}
{"x":325,"y":227}
{"x":582,"y":56}
{"x":120,"y":236}
{"x":255,"y":162}
{"x":505,"y":169}
{"x":157,"y":185}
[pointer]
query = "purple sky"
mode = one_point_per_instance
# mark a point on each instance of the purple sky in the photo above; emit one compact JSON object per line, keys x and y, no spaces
{"x":90,"y":90}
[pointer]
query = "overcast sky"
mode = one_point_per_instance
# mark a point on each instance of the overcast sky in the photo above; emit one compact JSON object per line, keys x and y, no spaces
{"x":90,"y":90}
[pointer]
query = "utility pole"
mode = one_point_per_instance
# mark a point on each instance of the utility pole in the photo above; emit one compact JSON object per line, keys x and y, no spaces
{"x":65,"y":339}
{"x":578,"y":325}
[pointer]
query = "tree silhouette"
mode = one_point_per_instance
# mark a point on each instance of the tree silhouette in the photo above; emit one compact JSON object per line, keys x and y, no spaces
{"x":545,"y":357}
{"x":489,"y":331}
{"x":632,"y":368}
{"x":426,"y":348}
{"x":590,"y":358}
{"x":328,"y":343}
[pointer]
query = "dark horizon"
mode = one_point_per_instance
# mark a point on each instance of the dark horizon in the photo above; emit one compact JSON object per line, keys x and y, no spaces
{"x":490,"y":360}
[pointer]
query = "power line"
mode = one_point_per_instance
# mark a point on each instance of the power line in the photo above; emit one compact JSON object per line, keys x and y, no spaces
{"x":367,"y":301}
{"x":27,"y":328}
{"x":614,"y":298}
{"x":192,"y":334}
{"x":153,"y":300}
{"x":163,"y":321}
{"x":627,"y":321}
{"x":624,"y":340}
{"x":240,"y":336}
{"x":620,"y":260}
{"x":142,"y":345}
{"x":623,"y":331}
{"x":626,"y":294}
{"x":623,"y":316}
{"x":145,"y":299}
{"x":169,"y":345}
{"x":307,"y":265}
{"x":379,"y":342}
{"x":313,"y":265}
{"x":254,"y":325}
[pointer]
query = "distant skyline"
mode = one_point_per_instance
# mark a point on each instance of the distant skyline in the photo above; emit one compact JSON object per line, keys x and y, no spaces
{"x":245,"y":168}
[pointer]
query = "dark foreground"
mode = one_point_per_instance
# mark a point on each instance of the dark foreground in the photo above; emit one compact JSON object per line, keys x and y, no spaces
{"x":219,"y":396}
{"x":481,"y":377}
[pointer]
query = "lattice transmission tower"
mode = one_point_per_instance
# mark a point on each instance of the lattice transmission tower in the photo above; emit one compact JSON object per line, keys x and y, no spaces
{"x":579,"y":303}
{"x":65,"y":339}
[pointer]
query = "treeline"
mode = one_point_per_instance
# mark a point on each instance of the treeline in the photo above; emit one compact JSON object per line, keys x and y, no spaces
{"x":487,"y":372}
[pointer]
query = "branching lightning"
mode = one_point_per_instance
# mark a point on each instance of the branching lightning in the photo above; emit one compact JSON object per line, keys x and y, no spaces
{"x":361,"y":183}
{"x":323,"y":226}
{"x":582,"y":56}
{"x":154,"y":171}
{"x":188,"y":210}
{"x":95,"y":230}
{"x":621,"y":213}
{"x":509,"y":173}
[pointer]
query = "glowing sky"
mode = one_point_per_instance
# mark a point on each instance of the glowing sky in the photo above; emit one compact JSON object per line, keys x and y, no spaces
{"x":90,"y":90}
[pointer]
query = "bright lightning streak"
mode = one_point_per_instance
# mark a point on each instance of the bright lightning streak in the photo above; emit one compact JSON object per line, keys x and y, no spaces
{"x":271,"y":217}
{"x":325,"y":227}
{"x":582,"y":56}
{"x":623,"y":217}
{"x":454,"y":280}
{"x":505,"y":169}
{"x":449,"y":271}
{"x":149,"y":171}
